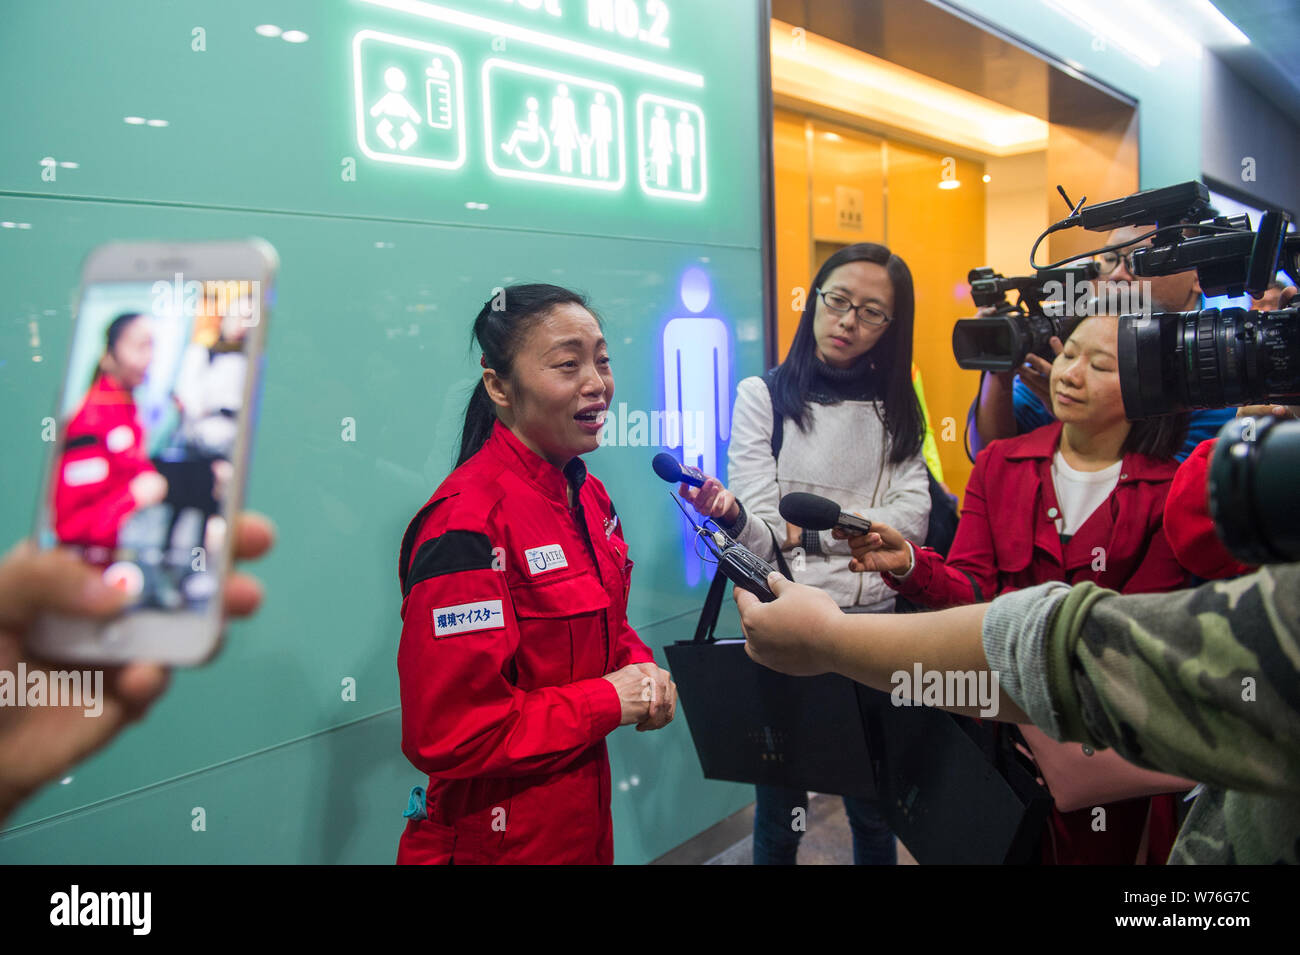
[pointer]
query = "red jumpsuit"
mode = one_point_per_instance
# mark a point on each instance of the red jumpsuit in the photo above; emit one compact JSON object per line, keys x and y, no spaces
{"x":103,"y":451}
{"x":514,"y":607}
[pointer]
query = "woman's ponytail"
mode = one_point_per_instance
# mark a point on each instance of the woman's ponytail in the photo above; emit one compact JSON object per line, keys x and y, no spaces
{"x":499,"y":329}
{"x":480,"y":414}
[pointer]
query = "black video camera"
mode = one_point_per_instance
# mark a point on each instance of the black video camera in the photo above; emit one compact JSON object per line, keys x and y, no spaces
{"x":1217,"y":358}
{"x":1002,"y":341}
{"x":1212,"y":358}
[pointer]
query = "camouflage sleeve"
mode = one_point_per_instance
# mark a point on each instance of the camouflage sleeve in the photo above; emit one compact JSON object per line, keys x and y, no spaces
{"x":1014,"y":635}
{"x":1204,"y":683}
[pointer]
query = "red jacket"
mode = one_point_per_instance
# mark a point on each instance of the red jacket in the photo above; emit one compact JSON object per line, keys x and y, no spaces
{"x":103,"y":450}
{"x":514,"y":608}
{"x":1007,"y":540}
{"x":1007,"y":537}
{"x":1191,"y":529}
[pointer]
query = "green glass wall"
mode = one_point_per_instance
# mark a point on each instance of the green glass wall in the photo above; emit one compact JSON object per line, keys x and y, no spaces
{"x":175,"y":119}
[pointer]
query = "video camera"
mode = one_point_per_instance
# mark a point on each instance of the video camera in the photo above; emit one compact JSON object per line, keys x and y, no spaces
{"x":1002,"y":341}
{"x":1216,"y":358}
{"x":1211,"y":358}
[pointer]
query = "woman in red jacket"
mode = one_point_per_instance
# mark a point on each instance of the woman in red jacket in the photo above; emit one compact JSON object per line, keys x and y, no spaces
{"x":516,"y":658}
{"x":104,"y":473}
{"x":1080,"y":499}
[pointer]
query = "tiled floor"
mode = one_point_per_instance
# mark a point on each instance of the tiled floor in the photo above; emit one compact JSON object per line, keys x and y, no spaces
{"x":730,"y":842}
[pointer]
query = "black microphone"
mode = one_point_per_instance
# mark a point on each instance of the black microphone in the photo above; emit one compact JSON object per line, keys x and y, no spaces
{"x":666,"y":467}
{"x":820,"y":514}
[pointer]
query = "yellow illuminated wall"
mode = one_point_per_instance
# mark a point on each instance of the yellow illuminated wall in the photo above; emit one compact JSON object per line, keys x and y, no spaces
{"x":835,"y":186}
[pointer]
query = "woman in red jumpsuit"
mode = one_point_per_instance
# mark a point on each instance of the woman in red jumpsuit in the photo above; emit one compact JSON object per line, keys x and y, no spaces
{"x":516,"y":658}
{"x":104,"y":473}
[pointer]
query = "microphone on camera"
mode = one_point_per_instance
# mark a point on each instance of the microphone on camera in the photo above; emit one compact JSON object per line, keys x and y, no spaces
{"x":820,"y":514}
{"x":666,"y":467}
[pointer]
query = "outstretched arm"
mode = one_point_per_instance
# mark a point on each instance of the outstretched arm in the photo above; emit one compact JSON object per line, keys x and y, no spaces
{"x":804,"y":633}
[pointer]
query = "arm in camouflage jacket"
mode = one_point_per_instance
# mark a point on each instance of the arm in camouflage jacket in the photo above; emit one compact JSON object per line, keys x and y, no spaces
{"x":1204,"y":683}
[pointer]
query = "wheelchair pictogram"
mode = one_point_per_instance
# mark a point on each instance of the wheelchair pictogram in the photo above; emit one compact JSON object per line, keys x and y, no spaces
{"x":529,"y":131}
{"x":553,"y":127}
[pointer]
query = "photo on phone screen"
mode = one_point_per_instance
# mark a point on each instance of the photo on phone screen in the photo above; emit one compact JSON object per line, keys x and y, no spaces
{"x":152,"y":426}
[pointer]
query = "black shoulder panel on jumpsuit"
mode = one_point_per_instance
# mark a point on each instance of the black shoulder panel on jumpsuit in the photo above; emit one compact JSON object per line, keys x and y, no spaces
{"x":449,"y":553}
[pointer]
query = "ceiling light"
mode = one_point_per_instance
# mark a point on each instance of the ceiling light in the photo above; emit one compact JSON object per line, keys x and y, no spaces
{"x":1091,"y":17}
{"x":267,"y":29}
{"x":852,"y":82}
{"x":294,"y":36}
{"x":158,"y":122}
{"x":988,"y":178}
{"x":949,"y":184}
{"x":1213,"y":17}
{"x":133,"y":120}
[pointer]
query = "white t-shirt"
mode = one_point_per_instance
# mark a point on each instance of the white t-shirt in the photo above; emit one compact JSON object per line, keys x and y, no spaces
{"x":1079,"y":493}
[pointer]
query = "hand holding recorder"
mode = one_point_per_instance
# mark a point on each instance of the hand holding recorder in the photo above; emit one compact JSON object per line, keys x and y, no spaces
{"x":704,"y":493}
{"x":882,"y":550}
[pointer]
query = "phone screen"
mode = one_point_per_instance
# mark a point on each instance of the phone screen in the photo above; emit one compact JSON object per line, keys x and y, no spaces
{"x":149,"y":425}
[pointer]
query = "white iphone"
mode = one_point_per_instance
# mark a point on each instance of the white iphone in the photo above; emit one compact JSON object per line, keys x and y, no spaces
{"x":152,"y":434}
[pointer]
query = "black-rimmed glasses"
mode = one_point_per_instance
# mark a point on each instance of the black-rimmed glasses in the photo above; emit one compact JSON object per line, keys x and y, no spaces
{"x":866,"y":313}
{"x":1108,"y":262}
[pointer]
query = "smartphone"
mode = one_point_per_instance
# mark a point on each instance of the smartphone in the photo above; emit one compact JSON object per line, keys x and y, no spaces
{"x":152,"y":435}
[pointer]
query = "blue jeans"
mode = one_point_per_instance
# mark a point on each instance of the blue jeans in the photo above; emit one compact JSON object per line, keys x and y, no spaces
{"x":776,"y":840}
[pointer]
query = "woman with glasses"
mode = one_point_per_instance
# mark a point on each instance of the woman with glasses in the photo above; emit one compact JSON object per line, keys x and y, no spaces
{"x":851,"y":430}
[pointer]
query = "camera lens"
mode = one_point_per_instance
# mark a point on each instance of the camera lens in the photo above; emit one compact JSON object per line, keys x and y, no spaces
{"x":1253,"y":497}
{"x":1177,"y":361}
{"x":987,"y":344}
{"x":1003,"y":342}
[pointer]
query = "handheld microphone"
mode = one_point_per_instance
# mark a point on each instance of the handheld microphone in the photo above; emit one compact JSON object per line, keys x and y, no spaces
{"x":820,"y":514}
{"x":666,"y":467}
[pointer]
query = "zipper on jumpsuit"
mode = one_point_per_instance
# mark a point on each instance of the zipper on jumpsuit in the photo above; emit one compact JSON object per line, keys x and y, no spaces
{"x":578,"y":514}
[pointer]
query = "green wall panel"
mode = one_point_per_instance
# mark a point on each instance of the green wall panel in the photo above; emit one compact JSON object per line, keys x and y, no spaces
{"x":380,"y":279}
{"x":256,"y":122}
{"x":338,"y":796}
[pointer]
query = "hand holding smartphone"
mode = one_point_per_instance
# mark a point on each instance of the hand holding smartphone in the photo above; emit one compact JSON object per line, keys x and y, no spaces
{"x":155,"y":419}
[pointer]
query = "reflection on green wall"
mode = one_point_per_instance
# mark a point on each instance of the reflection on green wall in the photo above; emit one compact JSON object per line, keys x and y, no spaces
{"x":383,"y":266}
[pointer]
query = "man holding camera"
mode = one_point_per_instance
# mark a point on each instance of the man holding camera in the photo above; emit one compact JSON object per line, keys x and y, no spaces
{"x":1011,"y":403}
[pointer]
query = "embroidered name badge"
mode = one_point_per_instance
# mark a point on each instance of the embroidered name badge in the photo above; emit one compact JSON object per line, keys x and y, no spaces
{"x":610,"y":524}
{"x":542,"y":559}
{"x":465,"y":618}
{"x":85,"y":471}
